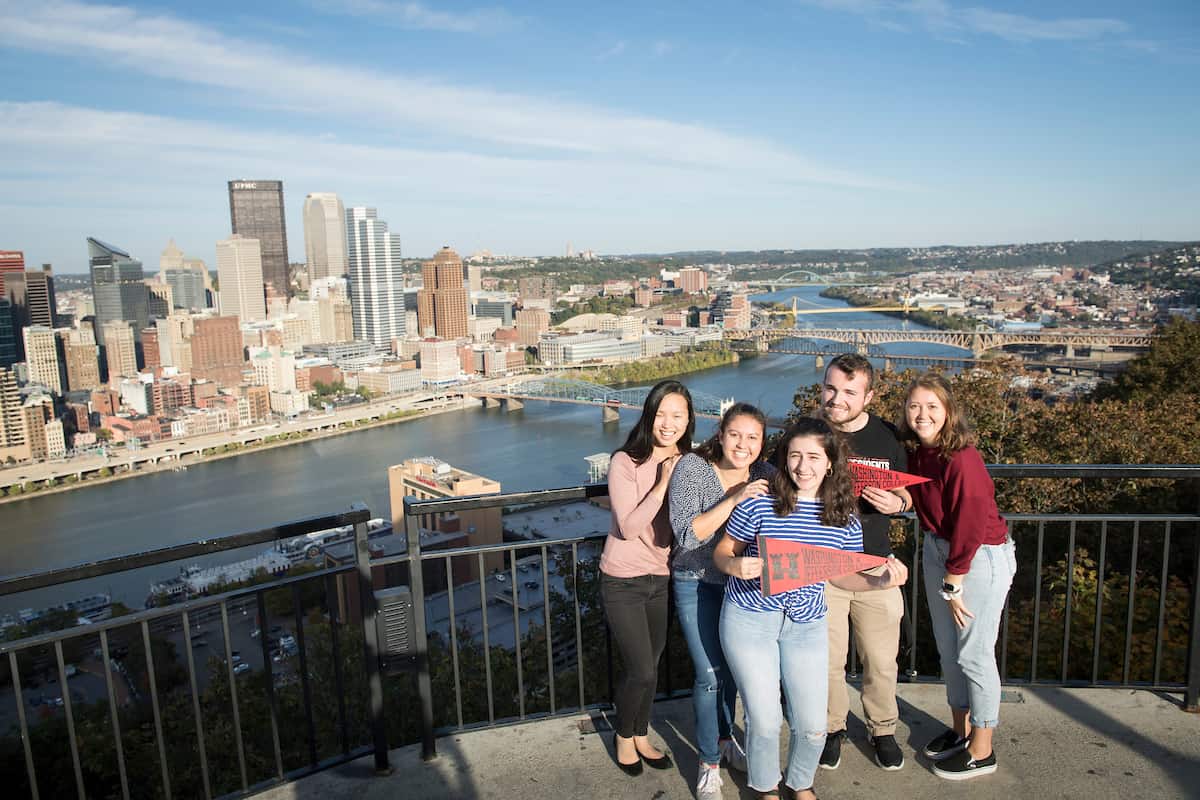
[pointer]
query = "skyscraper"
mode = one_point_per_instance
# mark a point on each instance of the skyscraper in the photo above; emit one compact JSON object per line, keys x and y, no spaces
{"x":442,"y":303}
{"x":11,"y":261}
{"x":324,"y":235}
{"x":118,"y":291}
{"x":120,"y":350}
{"x":376,"y":278}
{"x":240,"y":271}
{"x":41,"y":357}
{"x":12,"y":421}
{"x":39,"y":296}
{"x":83,"y":360}
{"x":256,"y":211}
{"x":188,"y":278}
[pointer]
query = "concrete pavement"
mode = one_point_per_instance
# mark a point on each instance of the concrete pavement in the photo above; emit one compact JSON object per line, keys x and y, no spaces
{"x":1078,"y":744}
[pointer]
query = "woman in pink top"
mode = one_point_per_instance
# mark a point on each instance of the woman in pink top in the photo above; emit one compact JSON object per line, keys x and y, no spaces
{"x":633,"y":569}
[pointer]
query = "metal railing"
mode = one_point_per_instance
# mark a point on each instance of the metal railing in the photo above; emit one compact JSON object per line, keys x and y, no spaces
{"x":465,"y":673}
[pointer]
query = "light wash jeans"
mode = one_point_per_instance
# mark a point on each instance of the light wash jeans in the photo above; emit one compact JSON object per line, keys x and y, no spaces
{"x":714,"y":693}
{"x":969,"y":655}
{"x":764,"y":648}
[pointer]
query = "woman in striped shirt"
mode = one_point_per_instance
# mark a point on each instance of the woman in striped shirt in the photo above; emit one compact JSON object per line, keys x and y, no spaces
{"x":782,"y":637}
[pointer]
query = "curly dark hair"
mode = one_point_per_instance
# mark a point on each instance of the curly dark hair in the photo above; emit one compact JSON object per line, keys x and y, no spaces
{"x":837,"y":490}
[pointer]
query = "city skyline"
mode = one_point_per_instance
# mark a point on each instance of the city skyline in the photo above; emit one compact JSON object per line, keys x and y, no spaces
{"x":811,"y":124}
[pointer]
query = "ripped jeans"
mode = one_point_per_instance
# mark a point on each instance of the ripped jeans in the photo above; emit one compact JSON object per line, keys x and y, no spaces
{"x":764,"y":648}
{"x":698,"y":605}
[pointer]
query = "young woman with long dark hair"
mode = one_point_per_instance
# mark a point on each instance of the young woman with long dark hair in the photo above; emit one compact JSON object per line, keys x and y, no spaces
{"x":768,"y":639}
{"x":969,"y":562}
{"x":705,"y":487}
{"x":634,"y":572}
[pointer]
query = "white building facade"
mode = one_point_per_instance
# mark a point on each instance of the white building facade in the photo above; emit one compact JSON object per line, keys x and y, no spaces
{"x":376,"y":278}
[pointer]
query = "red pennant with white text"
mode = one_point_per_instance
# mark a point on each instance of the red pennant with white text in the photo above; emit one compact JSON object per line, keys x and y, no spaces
{"x":790,"y":565}
{"x":865,"y":475}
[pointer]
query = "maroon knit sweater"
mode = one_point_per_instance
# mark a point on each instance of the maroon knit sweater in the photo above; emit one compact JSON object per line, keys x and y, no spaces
{"x":957,"y":504}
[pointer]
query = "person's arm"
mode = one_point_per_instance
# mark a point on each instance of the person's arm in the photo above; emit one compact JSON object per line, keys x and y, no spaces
{"x":741,"y":529}
{"x":891,"y":501}
{"x":634,"y":514}
{"x":685,"y":501}
{"x":968,"y":496}
{"x":894,"y":574}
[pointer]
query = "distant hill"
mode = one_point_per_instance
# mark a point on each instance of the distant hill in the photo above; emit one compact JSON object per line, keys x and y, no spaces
{"x":1176,"y":268}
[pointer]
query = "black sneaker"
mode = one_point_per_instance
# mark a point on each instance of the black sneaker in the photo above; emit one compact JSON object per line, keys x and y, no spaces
{"x":962,"y":766}
{"x":887,"y":752}
{"x":831,"y":756}
{"x":945,"y":746}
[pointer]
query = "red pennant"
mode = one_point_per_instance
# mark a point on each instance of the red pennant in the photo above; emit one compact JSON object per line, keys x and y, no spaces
{"x":790,"y":565}
{"x":866,"y":475}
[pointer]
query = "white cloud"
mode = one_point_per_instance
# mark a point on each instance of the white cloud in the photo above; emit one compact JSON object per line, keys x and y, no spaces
{"x":662,"y":47}
{"x":944,"y":19}
{"x":486,"y":120}
{"x":418,"y":16}
{"x":617,"y":49}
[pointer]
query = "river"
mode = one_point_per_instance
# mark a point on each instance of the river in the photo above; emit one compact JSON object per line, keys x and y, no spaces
{"x":542,"y":446}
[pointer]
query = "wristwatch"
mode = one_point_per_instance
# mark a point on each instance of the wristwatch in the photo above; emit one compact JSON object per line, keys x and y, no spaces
{"x":951,"y":590}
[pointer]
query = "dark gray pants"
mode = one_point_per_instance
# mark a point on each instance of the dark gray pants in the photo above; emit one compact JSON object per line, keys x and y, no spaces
{"x":636,"y":610}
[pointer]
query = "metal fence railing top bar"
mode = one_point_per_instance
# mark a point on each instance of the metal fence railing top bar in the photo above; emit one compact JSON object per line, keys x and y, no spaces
{"x":200,"y":547}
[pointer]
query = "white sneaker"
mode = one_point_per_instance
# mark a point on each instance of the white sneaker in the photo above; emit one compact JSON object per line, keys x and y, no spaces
{"x":733,"y":755}
{"x":708,"y":782}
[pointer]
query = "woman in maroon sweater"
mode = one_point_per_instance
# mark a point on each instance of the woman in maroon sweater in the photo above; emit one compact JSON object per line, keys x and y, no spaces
{"x":969,"y":562}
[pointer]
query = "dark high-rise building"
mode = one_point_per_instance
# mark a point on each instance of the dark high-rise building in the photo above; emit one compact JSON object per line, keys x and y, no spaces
{"x":8,"y":335}
{"x":12,"y":289}
{"x":118,"y":289}
{"x":256,"y":211}
{"x":39,"y":297}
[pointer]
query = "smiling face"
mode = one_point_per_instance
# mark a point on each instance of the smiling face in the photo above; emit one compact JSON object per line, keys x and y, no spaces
{"x":844,"y":398}
{"x":926,"y":415}
{"x":670,"y":421}
{"x":741,"y":442}
{"x":807,"y":464}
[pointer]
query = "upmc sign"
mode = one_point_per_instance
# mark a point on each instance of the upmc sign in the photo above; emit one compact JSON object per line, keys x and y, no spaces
{"x":237,"y":186}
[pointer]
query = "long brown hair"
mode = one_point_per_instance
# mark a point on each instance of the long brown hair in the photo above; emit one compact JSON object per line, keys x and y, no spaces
{"x":640,"y":443}
{"x":711,"y":450}
{"x":837,"y":490}
{"x":955,"y":435}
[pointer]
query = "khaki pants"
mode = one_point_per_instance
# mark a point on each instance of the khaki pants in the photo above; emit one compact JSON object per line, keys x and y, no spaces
{"x":876,"y":617}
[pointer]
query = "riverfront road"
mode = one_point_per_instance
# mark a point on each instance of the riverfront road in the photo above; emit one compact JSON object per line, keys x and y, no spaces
{"x":173,"y":453}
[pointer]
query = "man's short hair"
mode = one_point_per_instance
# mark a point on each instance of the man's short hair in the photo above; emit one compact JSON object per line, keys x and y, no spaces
{"x":852,"y":364}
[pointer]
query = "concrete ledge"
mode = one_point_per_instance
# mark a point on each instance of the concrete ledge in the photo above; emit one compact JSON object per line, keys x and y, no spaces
{"x":1082,"y":744}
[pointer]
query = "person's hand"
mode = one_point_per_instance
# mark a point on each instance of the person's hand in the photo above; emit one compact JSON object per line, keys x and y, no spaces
{"x":666,"y":467}
{"x":747,"y":567}
{"x":894,"y":573}
{"x":882,"y":500}
{"x":744,"y":491}
{"x":959,"y":611}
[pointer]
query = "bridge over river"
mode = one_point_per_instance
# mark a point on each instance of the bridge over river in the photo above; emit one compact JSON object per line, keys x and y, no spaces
{"x":564,"y":390}
{"x":977,"y":342}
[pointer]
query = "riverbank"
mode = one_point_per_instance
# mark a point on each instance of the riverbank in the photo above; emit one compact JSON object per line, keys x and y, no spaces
{"x":217,"y":453}
{"x":863,"y":301}
{"x":654,"y":369}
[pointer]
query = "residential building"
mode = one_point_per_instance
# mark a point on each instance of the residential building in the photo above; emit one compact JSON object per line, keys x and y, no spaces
{"x":289,"y":403}
{"x":501,"y":309}
{"x":118,"y":289}
{"x":216,"y":350}
{"x":376,"y":277}
{"x":429,"y":478}
{"x":324,"y":236}
{"x":536,"y":288}
{"x":56,"y":439}
{"x":692,"y":280}
{"x":442,"y":301}
{"x":473,"y":277}
{"x":41,"y":358}
{"x":120,"y":352}
{"x":82,"y":357}
{"x":274,"y":368}
{"x":151,"y":353}
{"x":39,"y":297}
{"x":13,"y":443}
{"x":137,"y":394}
{"x":240,"y":271}
{"x":390,"y":379}
{"x":256,"y":212}
{"x":175,"y":341}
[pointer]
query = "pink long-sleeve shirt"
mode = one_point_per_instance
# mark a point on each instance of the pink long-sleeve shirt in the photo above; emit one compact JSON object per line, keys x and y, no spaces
{"x":639,"y":541}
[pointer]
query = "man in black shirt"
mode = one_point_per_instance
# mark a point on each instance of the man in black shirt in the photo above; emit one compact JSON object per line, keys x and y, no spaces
{"x":847,"y":391}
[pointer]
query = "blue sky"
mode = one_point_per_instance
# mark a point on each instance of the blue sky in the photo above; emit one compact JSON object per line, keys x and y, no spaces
{"x":621,"y":127}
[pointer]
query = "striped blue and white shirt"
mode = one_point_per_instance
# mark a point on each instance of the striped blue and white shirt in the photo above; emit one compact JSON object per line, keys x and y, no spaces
{"x":755,"y":516}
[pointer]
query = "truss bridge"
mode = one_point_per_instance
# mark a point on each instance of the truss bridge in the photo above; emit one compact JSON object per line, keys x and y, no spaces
{"x":976,"y":342}
{"x":565,"y":390}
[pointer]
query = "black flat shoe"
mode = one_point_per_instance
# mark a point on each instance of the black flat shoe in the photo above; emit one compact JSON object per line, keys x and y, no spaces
{"x":632,"y":770}
{"x":662,"y":762}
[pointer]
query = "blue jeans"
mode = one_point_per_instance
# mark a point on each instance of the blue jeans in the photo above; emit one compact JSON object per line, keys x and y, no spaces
{"x":714,"y":694}
{"x":764,"y":648}
{"x":969,"y":655}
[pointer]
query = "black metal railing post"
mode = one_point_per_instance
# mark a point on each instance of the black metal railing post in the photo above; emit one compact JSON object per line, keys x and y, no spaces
{"x":1191,"y":699}
{"x":416,"y":584}
{"x":366,"y":603}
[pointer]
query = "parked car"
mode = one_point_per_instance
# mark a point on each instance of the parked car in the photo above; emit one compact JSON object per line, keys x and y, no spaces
{"x":241,"y":668}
